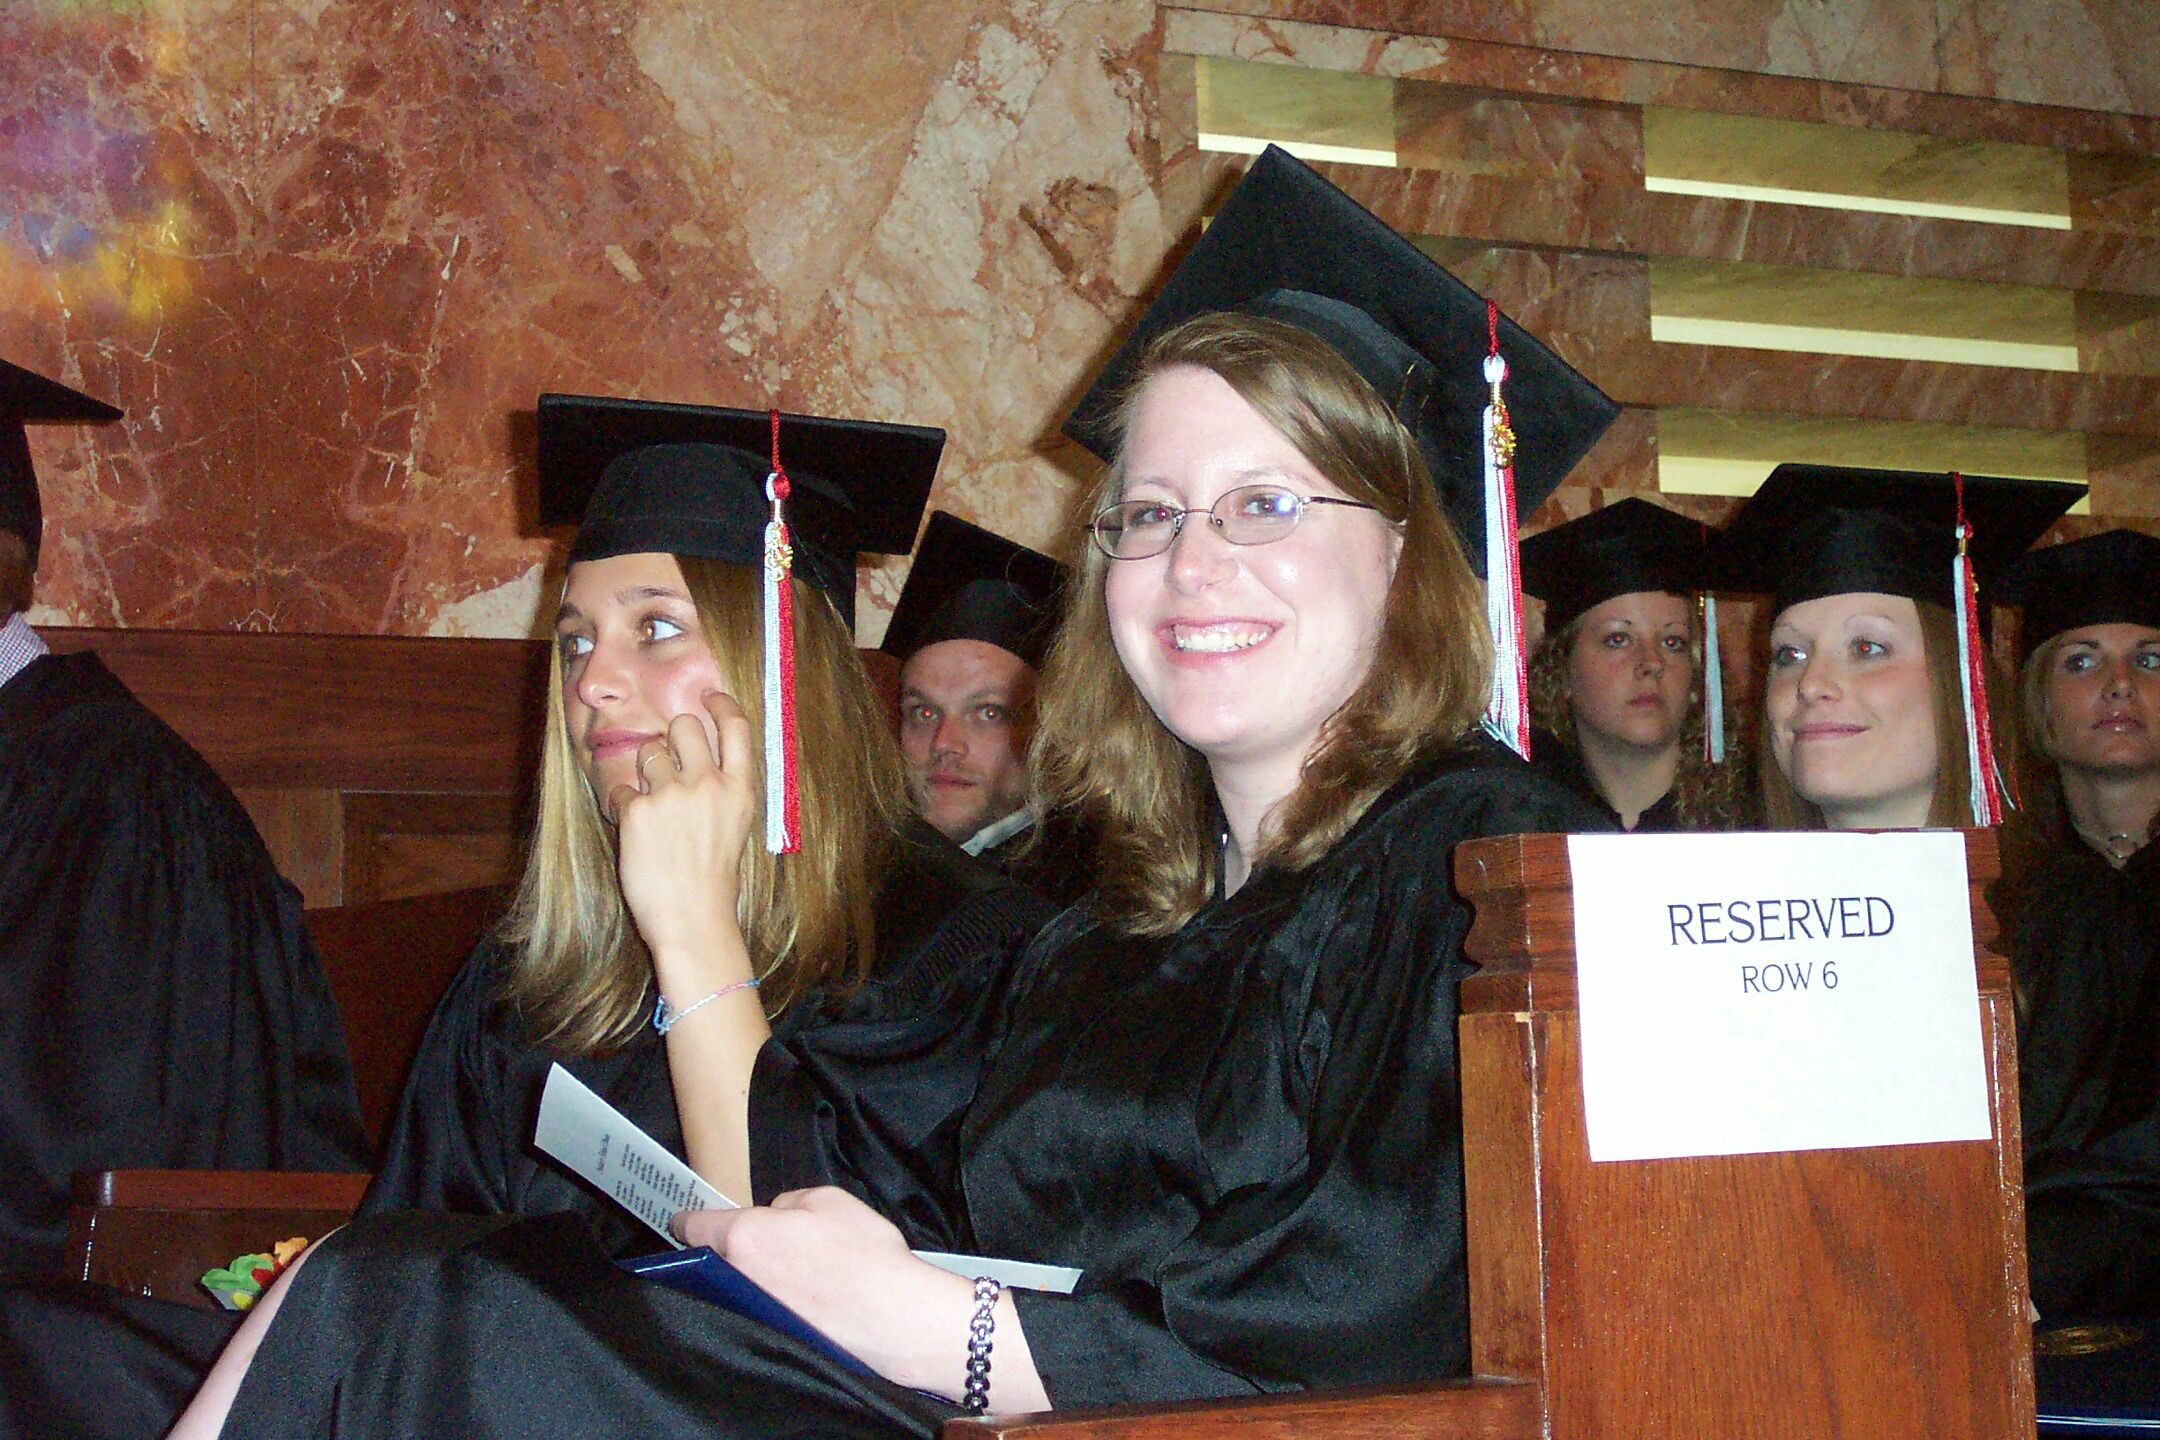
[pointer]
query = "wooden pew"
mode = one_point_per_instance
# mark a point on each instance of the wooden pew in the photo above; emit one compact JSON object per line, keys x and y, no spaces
{"x":375,"y":766}
{"x":1834,"y":1293}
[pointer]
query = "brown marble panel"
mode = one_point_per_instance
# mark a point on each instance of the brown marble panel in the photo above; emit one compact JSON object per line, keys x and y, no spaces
{"x":407,"y":223}
{"x":2118,"y":334}
{"x":1023,"y":231}
{"x":1461,"y":132}
{"x":1717,"y":378}
{"x":2125,"y":471}
{"x":326,"y":255}
{"x":2117,"y":193}
{"x":1878,"y":42}
{"x":1428,"y":50}
{"x":2092,"y":53}
{"x":1592,"y":214}
{"x":1593,"y":309}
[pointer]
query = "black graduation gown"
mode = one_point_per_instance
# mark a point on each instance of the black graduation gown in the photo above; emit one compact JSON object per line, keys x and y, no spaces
{"x":1247,"y":1134}
{"x":1565,"y":766}
{"x":2086,"y":948}
{"x":81,"y":1360}
{"x":160,"y":1002}
{"x":1054,"y":857}
{"x":462,"y":1142}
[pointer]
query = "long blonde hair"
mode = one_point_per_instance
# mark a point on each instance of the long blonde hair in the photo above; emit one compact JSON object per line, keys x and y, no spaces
{"x":1784,"y":809}
{"x":1705,"y":796}
{"x":581,"y":976}
{"x":1098,"y":747}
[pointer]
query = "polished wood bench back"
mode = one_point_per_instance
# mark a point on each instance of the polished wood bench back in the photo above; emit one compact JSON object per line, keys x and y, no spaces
{"x":376,"y":766}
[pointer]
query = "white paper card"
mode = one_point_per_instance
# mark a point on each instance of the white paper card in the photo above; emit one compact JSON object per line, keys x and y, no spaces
{"x":600,"y":1145}
{"x":603,"y":1148}
{"x":1749,"y":993}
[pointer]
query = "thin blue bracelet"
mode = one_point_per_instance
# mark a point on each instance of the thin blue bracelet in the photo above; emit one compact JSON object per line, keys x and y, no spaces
{"x":666,"y":1018}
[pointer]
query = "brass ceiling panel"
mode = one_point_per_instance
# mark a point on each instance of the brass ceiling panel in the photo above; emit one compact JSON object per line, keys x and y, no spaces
{"x":1749,"y":157}
{"x":1719,"y":452}
{"x":1317,"y":115}
{"x":1857,"y":312}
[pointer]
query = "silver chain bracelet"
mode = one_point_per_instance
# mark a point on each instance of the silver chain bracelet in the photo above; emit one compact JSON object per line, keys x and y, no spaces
{"x":975,"y":1400}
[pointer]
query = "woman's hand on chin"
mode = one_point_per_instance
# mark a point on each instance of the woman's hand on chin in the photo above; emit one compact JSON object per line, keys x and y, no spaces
{"x":846,"y":1270}
{"x":680,"y":837}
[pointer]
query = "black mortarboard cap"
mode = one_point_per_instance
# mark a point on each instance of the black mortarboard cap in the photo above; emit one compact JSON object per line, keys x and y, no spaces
{"x":1816,"y":530}
{"x":1292,"y":247}
{"x":1623,"y":548}
{"x":27,"y":398}
{"x":970,"y":584}
{"x":2108,"y":579}
{"x":641,"y":475}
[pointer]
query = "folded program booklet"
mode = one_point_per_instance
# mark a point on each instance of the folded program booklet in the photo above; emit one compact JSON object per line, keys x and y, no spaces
{"x":599,"y":1145}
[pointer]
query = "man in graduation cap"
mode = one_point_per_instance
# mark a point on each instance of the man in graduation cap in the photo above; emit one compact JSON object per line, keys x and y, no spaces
{"x":969,"y":631}
{"x":162,"y":1005}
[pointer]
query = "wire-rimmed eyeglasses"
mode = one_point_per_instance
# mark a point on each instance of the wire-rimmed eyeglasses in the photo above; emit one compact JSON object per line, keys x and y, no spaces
{"x":1248,"y":515}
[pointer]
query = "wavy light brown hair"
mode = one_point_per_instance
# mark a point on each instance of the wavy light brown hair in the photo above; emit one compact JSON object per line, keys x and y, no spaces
{"x":1783,"y":809}
{"x":1705,"y":796}
{"x":581,"y":975}
{"x":1098,"y":747}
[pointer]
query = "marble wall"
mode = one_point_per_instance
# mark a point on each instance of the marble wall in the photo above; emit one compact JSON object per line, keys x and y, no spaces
{"x":325,"y":254}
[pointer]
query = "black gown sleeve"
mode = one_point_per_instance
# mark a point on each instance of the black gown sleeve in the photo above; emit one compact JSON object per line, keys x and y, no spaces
{"x":2086,"y":947}
{"x":865,"y":1092}
{"x":1330,"y":1153}
{"x":451,"y":1144}
{"x":163,"y":1005}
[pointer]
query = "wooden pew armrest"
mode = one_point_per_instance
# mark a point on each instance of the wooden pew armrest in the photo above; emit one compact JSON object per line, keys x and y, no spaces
{"x":1476,"y":1409}
{"x":154,"y":1232}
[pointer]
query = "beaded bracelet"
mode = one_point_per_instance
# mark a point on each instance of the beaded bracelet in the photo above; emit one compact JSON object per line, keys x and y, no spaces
{"x":665,"y":1017}
{"x":975,"y":1400}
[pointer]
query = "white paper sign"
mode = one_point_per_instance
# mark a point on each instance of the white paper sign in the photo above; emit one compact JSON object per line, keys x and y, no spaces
{"x":600,"y":1145}
{"x":1749,"y":993}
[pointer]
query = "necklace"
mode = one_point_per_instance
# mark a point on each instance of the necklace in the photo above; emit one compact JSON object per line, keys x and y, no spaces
{"x":2117,"y":847}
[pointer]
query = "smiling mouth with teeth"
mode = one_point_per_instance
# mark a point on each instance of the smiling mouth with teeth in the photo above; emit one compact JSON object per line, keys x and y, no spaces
{"x":1217,"y":639}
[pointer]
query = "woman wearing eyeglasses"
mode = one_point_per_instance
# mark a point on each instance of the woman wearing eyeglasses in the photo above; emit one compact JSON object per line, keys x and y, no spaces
{"x":1225,"y":1089}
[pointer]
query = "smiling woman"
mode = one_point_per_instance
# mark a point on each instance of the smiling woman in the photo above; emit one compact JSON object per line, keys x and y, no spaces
{"x":1869,"y":717}
{"x":1862,"y":688}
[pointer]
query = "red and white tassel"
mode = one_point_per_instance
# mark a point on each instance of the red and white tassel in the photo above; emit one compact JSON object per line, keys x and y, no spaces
{"x":1987,"y":782}
{"x":1713,"y":685}
{"x":1507,"y":715}
{"x":783,"y":818}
